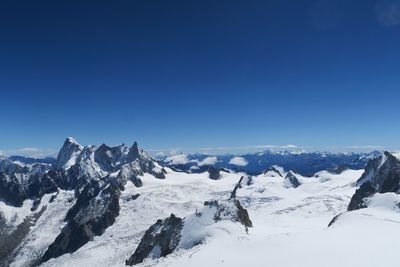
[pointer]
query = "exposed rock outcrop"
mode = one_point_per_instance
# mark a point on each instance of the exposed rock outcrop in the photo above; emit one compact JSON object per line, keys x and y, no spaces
{"x":214,"y":173}
{"x":160,"y":240}
{"x":291,"y":180}
{"x":110,"y":159}
{"x":230,"y":210}
{"x":244,"y":180}
{"x":11,"y":190}
{"x":95,"y":209}
{"x":172,"y":233}
{"x":381,"y":175}
{"x":274,"y":171}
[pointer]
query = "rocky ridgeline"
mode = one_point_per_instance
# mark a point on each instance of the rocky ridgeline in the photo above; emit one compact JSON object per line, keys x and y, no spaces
{"x":381,"y":175}
{"x":273,"y":171}
{"x":172,"y":233}
{"x":73,"y":169}
{"x":95,"y":209}
{"x":97,"y":174}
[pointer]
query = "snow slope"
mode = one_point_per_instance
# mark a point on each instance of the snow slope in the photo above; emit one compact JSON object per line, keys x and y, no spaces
{"x":290,"y":224}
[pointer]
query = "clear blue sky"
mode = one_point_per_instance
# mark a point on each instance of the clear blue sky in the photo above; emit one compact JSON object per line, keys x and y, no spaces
{"x":192,"y":74}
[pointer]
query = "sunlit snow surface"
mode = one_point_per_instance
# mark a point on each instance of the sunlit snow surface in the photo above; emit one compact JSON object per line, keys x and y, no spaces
{"x":290,"y":224}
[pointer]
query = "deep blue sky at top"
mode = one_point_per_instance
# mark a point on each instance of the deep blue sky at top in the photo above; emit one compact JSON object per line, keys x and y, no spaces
{"x":192,"y":74}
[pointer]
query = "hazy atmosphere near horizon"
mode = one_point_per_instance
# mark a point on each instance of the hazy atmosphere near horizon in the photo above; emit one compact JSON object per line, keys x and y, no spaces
{"x":192,"y":133}
{"x":200,"y":75}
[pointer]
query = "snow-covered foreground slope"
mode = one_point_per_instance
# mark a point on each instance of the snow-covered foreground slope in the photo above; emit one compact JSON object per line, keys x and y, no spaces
{"x":290,"y":224}
{"x":360,"y":239}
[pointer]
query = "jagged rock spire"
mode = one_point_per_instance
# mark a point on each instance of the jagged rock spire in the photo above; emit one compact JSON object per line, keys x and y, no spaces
{"x":133,"y":152}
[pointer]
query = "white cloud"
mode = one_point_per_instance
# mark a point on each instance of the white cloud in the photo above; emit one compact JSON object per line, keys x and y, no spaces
{"x":30,"y":152}
{"x":160,"y":154}
{"x":271,"y":146}
{"x":238,"y":161}
{"x":177,"y":159}
{"x":366,"y":147}
{"x":208,"y":161}
{"x":221,"y":149}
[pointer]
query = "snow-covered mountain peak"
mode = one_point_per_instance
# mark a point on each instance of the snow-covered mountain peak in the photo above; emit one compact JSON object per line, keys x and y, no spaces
{"x":71,"y":140}
{"x":68,"y":154}
{"x":274,"y":171}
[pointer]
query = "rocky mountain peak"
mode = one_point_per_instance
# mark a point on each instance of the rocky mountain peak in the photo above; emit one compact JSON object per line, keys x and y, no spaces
{"x":377,"y":169}
{"x":291,"y":180}
{"x":68,"y":154}
{"x":110,"y":158}
{"x":381,"y":175}
{"x":134,"y":152}
{"x":273,"y":170}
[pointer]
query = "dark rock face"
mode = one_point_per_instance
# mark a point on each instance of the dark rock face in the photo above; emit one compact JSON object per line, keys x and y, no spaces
{"x":17,"y":187}
{"x":291,"y":180}
{"x":334,"y":219}
{"x":40,"y":185}
{"x":160,"y":239}
{"x":378,"y":169}
{"x":236,"y":214}
{"x":214,"y":173}
{"x":110,"y":158}
{"x":96,"y":209}
{"x":358,"y":200}
{"x":244,"y":180}
{"x":273,"y":169}
{"x":133,"y":153}
{"x":9,"y":167}
{"x":381,"y":175}
{"x":11,"y":190}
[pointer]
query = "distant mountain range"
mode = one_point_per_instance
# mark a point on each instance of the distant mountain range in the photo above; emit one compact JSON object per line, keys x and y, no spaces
{"x":255,"y":163}
{"x":304,"y":163}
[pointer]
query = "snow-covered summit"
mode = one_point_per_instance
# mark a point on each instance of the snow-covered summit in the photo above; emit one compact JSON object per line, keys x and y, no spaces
{"x":68,"y":154}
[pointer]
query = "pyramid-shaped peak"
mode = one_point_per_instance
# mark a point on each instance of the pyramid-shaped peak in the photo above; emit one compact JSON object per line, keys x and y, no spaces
{"x":68,"y":153}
